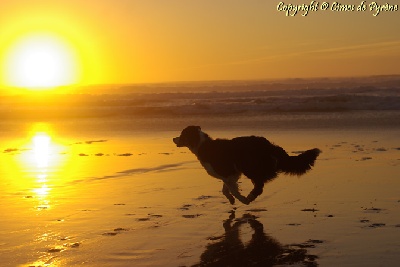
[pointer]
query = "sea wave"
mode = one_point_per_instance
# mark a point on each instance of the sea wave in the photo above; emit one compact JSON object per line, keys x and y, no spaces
{"x":251,"y":100}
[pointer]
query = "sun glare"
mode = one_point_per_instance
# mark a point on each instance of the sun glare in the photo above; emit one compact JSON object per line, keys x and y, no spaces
{"x":41,"y":147}
{"x":41,"y":61}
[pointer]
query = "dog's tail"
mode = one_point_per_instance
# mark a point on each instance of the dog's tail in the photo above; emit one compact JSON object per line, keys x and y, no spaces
{"x":300,"y":164}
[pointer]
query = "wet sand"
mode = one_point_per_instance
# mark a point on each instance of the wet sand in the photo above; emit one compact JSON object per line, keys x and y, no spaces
{"x":137,"y":200}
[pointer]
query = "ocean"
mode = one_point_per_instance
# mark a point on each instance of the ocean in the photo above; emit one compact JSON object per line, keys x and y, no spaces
{"x":289,"y":104}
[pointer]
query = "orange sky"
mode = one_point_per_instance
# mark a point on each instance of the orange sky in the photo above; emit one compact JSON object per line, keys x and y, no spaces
{"x":129,"y":41}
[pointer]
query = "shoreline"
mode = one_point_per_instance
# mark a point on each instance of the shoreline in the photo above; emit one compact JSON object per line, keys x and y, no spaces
{"x":303,"y":121}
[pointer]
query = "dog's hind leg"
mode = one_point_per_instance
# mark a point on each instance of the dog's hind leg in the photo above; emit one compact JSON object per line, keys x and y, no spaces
{"x":234,"y":190}
{"x":257,"y":190}
{"x":227,"y":193}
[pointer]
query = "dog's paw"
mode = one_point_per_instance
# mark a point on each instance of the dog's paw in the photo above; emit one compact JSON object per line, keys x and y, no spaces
{"x":244,"y":200}
{"x":231,"y":199}
{"x":251,"y":197}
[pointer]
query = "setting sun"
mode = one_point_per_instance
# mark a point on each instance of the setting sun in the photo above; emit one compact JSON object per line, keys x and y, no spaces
{"x":40,"y":61}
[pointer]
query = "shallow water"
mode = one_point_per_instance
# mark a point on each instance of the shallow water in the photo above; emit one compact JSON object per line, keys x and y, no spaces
{"x":116,"y":197}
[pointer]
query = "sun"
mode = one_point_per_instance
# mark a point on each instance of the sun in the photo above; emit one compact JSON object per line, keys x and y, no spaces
{"x":41,"y":61}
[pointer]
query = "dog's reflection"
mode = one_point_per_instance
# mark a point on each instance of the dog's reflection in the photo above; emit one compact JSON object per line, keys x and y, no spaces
{"x":261,"y":250}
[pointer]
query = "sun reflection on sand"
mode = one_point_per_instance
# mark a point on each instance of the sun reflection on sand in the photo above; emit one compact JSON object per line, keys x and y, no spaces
{"x":41,"y":153}
{"x":42,"y":160}
{"x":42,"y":164}
{"x":41,"y":148}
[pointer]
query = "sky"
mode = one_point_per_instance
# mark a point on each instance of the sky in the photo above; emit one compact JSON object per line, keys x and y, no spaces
{"x":150,"y":41}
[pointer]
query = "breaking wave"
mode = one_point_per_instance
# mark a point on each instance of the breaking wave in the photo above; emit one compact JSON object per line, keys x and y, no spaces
{"x":203,"y":101}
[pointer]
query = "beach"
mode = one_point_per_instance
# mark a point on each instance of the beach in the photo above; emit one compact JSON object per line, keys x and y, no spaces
{"x":93,"y":178}
{"x":132,"y":198}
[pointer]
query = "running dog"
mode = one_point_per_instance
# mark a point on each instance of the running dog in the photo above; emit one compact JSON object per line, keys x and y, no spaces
{"x":255,"y":157}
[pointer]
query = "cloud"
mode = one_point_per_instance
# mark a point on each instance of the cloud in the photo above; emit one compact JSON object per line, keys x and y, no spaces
{"x":371,"y":48}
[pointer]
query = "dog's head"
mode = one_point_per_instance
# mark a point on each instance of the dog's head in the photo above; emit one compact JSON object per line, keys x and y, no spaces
{"x":190,"y":137}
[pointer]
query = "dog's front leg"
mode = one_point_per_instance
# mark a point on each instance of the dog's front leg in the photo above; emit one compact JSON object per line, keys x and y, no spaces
{"x":227,"y":193}
{"x":234,"y":190}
